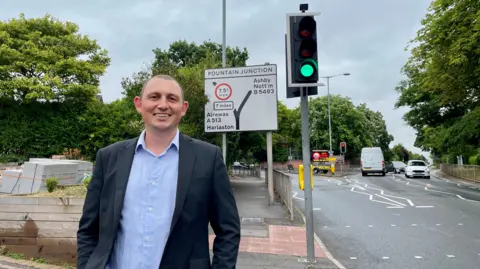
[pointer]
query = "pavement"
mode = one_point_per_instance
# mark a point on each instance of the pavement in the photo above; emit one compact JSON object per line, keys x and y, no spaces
{"x":269,"y":238}
{"x":394,"y":222}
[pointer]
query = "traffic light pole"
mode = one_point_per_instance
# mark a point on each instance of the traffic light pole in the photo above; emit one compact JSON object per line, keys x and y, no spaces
{"x":306,"y":167}
{"x":224,"y":64}
{"x":329,"y":117}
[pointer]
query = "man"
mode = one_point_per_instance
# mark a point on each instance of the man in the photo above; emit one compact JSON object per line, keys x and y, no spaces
{"x":151,"y":198}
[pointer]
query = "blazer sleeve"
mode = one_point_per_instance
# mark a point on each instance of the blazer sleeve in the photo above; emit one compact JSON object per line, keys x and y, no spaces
{"x":224,"y":217}
{"x":88,"y":230}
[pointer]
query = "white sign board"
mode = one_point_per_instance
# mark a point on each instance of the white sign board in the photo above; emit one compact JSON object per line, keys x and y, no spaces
{"x":241,"y":99}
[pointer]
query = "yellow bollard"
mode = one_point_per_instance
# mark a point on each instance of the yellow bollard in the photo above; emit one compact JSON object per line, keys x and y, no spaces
{"x":333,"y":168}
{"x":301,"y":177}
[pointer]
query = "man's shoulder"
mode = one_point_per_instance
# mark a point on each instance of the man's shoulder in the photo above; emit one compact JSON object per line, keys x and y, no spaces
{"x":119,"y":145}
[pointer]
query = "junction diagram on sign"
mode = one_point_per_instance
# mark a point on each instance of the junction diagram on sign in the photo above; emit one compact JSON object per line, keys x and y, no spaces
{"x":241,"y":99}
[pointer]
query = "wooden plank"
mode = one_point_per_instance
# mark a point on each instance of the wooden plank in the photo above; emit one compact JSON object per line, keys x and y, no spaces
{"x":41,"y":208}
{"x":47,"y":252}
{"x":5,"y":216}
{"x":44,"y":233}
{"x":20,"y":224}
{"x":24,"y":200}
{"x":57,"y":233}
{"x":57,"y":241}
{"x":5,"y":240}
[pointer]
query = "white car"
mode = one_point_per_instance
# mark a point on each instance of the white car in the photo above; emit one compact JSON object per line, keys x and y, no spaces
{"x":417,"y":168}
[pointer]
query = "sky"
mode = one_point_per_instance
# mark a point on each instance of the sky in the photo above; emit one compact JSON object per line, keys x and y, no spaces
{"x":364,"y":38}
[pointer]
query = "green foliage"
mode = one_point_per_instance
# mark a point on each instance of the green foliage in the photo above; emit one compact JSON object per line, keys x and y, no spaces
{"x":358,"y":126}
{"x":400,"y":153}
{"x":443,"y":79}
{"x":43,"y":59}
{"x":51,"y":184}
{"x":86,"y":181}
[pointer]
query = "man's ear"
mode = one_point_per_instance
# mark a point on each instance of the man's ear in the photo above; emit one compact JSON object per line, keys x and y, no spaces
{"x":137,"y":101}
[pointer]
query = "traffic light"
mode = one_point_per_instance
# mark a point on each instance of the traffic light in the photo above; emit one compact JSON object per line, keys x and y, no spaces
{"x":302,"y":56}
{"x":343,"y":147}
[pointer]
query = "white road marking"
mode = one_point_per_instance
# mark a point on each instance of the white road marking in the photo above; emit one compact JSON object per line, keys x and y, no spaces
{"x":414,"y":224}
{"x":460,"y":224}
{"x":370,"y":226}
{"x":393,"y":225}
{"x":394,"y":207}
{"x":393,"y":201}
{"x":353,"y":258}
{"x":385,"y":258}
{"x":347,"y":226}
{"x":438,"y":224}
{"x":424,"y":206}
{"x":451,"y":256}
{"x":317,"y":209}
{"x":439,"y":191}
{"x":389,"y":195}
{"x":295,"y":196}
{"x":418,"y":257}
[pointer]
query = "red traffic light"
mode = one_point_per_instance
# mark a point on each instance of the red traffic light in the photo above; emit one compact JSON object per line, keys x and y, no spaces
{"x":342,"y":144}
{"x":307,"y":27}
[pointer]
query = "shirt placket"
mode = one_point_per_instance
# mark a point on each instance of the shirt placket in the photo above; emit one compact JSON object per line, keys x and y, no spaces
{"x":149,"y":223}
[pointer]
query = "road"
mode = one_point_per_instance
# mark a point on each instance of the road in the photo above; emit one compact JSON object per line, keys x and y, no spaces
{"x":394,"y":222}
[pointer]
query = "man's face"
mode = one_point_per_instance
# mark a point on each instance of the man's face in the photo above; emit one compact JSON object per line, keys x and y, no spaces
{"x":161,"y":105}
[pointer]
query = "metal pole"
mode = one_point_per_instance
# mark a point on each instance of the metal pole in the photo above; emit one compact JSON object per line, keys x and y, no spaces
{"x":224,"y":64}
{"x":329,"y":118}
{"x":308,"y":187}
{"x":270,"y":167}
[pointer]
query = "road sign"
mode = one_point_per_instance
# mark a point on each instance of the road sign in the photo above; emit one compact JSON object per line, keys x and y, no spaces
{"x":241,"y":99}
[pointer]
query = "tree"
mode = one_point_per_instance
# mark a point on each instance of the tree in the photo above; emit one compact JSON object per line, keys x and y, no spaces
{"x":378,"y":130}
{"x":49,"y":74}
{"x":44,"y":59}
{"x":442,"y":85}
{"x":358,"y":126}
{"x":105,"y":124}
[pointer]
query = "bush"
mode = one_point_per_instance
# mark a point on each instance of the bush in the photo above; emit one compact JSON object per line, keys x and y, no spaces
{"x":86,"y":181}
{"x":52,"y":184}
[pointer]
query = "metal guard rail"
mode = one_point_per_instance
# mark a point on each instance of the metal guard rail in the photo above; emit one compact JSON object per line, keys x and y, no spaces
{"x":282,"y":187}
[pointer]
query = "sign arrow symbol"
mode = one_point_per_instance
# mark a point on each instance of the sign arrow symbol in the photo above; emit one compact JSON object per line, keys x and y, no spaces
{"x":236,"y":112}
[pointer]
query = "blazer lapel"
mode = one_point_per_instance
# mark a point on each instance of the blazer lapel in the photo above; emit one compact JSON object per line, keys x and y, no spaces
{"x":124,"y":164}
{"x":186,"y":161}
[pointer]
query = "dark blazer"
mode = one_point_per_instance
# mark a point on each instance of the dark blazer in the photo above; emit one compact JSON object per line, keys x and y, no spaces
{"x":204,"y":195}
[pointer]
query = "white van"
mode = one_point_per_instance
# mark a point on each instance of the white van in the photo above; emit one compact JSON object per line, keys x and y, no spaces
{"x":372,"y":161}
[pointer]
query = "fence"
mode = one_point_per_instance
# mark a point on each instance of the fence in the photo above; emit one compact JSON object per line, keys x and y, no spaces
{"x":282,"y":187}
{"x":253,"y":171}
{"x":469,"y":172}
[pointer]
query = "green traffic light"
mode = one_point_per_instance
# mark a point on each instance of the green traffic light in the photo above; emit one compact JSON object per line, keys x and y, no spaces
{"x":307,"y":70}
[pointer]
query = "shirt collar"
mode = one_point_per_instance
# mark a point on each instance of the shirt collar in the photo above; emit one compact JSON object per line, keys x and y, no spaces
{"x":175,"y":141}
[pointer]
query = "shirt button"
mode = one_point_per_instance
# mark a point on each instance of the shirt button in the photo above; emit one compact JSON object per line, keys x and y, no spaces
{"x":147,"y":238}
{"x":149,"y":209}
{"x":153,"y":182}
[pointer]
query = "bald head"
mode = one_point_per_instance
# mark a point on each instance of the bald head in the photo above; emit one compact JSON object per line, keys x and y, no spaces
{"x":164,"y":77}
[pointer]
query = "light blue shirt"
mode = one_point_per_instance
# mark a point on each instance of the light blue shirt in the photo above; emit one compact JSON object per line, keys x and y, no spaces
{"x":147,"y":208}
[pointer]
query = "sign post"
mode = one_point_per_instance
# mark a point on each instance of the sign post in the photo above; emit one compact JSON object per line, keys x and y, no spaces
{"x":243,"y":99}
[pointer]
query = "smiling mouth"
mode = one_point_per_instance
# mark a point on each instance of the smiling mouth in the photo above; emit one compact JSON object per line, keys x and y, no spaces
{"x":161,"y":115}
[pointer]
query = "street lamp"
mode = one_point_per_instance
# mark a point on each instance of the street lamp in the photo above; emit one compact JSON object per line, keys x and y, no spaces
{"x":328,"y":97}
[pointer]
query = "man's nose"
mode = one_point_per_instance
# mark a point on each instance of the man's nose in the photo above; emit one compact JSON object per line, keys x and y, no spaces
{"x":162,"y":103}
